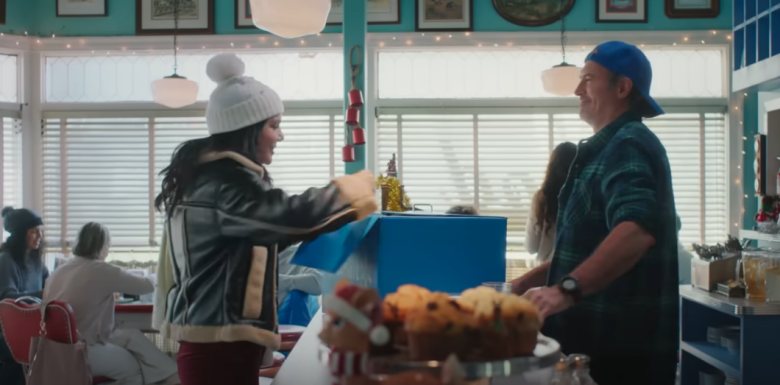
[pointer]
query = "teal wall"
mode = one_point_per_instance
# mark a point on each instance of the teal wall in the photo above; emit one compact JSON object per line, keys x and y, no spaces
{"x":39,"y":17}
{"x":750,"y":129}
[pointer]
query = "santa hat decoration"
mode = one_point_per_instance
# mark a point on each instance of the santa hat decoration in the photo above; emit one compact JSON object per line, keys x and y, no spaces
{"x":366,"y":316}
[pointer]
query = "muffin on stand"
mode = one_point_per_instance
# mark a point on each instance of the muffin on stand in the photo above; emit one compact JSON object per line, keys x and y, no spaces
{"x":396,"y":307}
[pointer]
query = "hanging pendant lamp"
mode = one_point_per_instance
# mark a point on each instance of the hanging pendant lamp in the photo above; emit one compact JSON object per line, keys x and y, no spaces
{"x":290,"y":18}
{"x":175,"y":91}
{"x":561,"y":79}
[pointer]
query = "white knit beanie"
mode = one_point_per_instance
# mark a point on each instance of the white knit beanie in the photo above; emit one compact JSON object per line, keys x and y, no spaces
{"x":238,"y":101}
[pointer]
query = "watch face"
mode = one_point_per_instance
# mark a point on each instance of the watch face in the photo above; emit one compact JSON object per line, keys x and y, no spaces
{"x":569,"y":284}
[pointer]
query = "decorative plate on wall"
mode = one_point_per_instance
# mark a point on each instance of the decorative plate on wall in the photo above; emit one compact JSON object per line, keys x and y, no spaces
{"x":532,"y":12}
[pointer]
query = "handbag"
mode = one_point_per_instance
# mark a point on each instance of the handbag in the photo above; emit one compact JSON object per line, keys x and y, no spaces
{"x":56,"y":363}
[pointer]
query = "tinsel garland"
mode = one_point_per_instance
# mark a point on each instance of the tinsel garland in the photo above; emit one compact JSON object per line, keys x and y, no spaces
{"x":393,"y":196}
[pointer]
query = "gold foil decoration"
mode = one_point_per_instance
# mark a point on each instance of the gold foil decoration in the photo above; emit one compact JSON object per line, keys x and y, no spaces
{"x":393,"y":196}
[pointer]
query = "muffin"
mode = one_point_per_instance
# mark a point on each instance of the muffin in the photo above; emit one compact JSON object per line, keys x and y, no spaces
{"x":396,"y":306}
{"x":506,"y":325}
{"x":522,"y":323}
{"x":438,"y":329}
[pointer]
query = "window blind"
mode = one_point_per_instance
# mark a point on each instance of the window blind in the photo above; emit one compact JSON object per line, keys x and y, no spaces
{"x":11,"y":167}
{"x":496,"y":161}
{"x":106,"y":168}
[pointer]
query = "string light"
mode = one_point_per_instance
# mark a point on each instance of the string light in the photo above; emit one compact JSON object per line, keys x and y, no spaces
{"x":685,"y":38}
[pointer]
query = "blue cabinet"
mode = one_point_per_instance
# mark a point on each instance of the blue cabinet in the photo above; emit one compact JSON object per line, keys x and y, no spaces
{"x":754,"y":362}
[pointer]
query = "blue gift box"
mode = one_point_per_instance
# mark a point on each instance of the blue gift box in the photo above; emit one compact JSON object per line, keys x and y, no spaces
{"x":446,"y":253}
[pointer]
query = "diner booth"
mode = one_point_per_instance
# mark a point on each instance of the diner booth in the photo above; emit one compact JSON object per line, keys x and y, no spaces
{"x":455,"y":106}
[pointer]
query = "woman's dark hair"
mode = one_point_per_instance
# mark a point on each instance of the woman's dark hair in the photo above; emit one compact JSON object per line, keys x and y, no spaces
{"x":16,"y":246}
{"x":181,"y":172}
{"x":93,"y":237}
{"x":545,"y":201}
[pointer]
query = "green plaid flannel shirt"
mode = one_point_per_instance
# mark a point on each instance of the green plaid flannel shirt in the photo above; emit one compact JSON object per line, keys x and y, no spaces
{"x":619,"y":174}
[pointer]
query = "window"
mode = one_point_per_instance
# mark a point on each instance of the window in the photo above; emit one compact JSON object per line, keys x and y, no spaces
{"x":9,"y":78}
{"x":459,"y":73}
{"x":104,"y":167}
{"x":496,"y":161}
{"x":492,"y":150}
{"x":10,"y":163}
{"x":310,"y":75}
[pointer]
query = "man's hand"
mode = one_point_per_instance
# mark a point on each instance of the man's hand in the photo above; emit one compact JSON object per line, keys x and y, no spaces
{"x":533,"y":278}
{"x":549,"y":300}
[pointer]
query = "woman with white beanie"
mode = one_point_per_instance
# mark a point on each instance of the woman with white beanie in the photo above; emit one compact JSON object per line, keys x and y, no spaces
{"x":226,"y":223}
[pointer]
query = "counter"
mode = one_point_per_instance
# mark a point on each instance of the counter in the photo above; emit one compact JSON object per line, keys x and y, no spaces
{"x":302,"y":366}
{"x":752,"y":360}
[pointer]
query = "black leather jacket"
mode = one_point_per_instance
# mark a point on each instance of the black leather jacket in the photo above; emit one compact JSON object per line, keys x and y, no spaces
{"x":224,"y":239}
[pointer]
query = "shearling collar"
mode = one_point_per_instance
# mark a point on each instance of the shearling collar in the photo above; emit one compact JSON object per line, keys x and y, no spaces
{"x":244,"y":161}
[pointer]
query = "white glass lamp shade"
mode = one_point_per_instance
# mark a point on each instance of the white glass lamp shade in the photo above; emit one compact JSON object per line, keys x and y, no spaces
{"x":290,"y":18}
{"x":561,"y":80}
{"x":174,"y":91}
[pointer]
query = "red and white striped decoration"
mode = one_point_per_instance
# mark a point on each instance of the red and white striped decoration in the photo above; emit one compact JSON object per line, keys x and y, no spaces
{"x":344,"y":364}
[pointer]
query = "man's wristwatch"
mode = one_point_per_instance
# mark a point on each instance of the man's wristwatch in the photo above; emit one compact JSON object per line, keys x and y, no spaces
{"x":570,"y":286}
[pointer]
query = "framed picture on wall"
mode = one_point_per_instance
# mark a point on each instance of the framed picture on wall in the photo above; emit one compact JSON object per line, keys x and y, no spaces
{"x":244,"y":14}
{"x":377,"y":12}
{"x":155,"y":17}
{"x":621,"y":11}
{"x":692,"y":8}
{"x":534,"y":13}
{"x":443,"y":15}
{"x":81,"y":8}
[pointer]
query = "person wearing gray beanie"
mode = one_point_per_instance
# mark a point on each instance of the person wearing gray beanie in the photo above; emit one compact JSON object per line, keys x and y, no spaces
{"x":227,"y":222}
{"x":22,"y":273}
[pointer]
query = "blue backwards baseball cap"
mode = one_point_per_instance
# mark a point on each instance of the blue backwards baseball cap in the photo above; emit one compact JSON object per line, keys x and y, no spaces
{"x":627,"y":60}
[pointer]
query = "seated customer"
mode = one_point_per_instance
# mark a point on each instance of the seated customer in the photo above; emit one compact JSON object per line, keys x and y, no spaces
{"x":22,"y":273}
{"x":298,"y":289}
{"x":462,"y":210}
{"x":88,"y":284}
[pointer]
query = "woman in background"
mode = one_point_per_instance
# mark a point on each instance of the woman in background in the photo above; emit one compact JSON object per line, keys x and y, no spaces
{"x":22,"y":274}
{"x":87,"y":283}
{"x":540,"y":229}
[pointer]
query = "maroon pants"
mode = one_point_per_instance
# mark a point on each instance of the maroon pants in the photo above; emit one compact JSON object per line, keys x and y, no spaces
{"x":234,"y":363}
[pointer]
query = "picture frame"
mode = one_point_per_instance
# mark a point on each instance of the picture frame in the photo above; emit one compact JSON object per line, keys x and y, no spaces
{"x":621,"y":11}
{"x":244,"y":15}
{"x":155,"y":17}
{"x":691,"y":9}
{"x":75,"y":8}
{"x":443,"y":15}
{"x":533,"y":14}
{"x":377,"y":12}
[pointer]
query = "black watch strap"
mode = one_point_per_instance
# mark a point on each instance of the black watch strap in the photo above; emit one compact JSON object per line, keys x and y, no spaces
{"x":570,"y":286}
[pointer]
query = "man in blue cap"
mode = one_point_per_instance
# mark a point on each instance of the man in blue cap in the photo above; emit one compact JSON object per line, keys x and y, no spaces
{"x":611,"y":288}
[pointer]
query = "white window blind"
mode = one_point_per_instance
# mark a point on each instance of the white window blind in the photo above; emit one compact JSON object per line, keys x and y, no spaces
{"x":106,"y":168}
{"x":96,"y":169}
{"x":496,"y":161}
{"x":11,"y":168}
